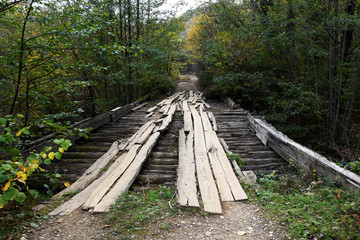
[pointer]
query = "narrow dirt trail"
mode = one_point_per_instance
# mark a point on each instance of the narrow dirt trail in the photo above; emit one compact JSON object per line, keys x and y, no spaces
{"x":240,"y":220}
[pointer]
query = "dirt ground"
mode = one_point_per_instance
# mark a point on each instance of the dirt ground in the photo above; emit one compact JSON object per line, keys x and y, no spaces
{"x":240,"y":220}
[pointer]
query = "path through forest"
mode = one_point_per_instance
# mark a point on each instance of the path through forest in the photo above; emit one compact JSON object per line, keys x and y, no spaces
{"x":240,"y":220}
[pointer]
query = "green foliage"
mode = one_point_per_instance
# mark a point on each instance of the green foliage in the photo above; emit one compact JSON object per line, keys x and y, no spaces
{"x":236,"y":158}
{"x":310,"y":209}
{"x":134,"y":211}
{"x":14,"y":169}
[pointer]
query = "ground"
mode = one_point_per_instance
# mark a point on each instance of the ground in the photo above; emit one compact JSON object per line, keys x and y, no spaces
{"x":240,"y":220}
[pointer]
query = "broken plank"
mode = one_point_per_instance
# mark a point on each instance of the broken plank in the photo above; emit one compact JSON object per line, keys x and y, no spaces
{"x":138,"y":134}
{"x":149,"y":115}
{"x":186,"y":182}
{"x":206,"y":181}
{"x":168,"y":119}
{"x":126,"y":180}
{"x":92,"y":172}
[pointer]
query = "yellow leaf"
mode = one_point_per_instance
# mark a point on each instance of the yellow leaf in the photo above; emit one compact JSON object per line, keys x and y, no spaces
{"x":7,"y":185}
{"x":44,"y":156}
{"x":67,"y":184}
{"x":21,"y":175}
{"x":51,"y":155}
{"x":61,"y":150}
{"x":19,"y":133}
{"x":43,"y":170}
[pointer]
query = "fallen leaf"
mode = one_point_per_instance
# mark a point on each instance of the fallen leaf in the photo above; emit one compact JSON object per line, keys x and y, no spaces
{"x":241,"y":233}
{"x":106,"y":226}
{"x":257,"y":210}
{"x":67,"y":184}
{"x":60,"y":220}
{"x":339,"y":195}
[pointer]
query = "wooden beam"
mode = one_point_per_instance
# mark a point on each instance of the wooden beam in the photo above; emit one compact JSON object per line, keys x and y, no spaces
{"x":140,"y":106}
{"x":152,"y":109}
{"x":223,"y":171}
{"x":206,"y":181}
{"x":186,"y":181}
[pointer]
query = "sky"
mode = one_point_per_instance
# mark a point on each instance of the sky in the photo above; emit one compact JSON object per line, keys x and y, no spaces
{"x":188,"y":4}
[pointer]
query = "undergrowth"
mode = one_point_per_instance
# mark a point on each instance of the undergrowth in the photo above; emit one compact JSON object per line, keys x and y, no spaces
{"x":310,"y":209}
{"x":133,"y":212}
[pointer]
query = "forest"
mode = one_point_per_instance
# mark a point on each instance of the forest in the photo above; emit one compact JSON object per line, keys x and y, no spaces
{"x":294,"y":62}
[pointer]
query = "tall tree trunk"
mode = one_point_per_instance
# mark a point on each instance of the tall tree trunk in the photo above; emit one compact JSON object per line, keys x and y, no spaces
{"x":129,"y":49}
{"x":21,"y":60}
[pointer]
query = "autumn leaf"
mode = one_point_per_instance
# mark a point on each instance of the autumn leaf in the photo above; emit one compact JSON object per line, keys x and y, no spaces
{"x":7,"y":185}
{"x":339,"y":195}
{"x":67,"y":184}
{"x":61,"y":150}
{"x":51,"y":155}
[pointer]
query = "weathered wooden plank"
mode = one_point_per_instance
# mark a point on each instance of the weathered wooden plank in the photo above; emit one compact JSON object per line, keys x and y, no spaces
{"x":302,"y":156}
{"x":188,"y":124}
{"x":101,"y":189}
{"x":149,"y":115}
{"x":79,"y":199}
{"x":206,"y":181}
{"x":186,"y":182}
{"x":221,"y":164}
{"x":213,"y":121}
{"x":138,"y":134}
{"x":125,"y":181}
{"x":205,"y":103}
{"x":152,"y":109}
{"x":185,"y":106}
{"x":92,"y":172}
{"x":140,"y":106}
{"x":146,"y":134}
{"x":168,"y":118}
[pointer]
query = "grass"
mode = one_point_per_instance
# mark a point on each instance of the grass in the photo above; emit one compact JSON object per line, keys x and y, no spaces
{"x":309,"y":209}
{"x":235,"y":157}
{"x":133,"y":213}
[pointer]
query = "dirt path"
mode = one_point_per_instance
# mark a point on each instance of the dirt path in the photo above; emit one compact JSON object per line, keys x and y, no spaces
{"x":240,"y":220}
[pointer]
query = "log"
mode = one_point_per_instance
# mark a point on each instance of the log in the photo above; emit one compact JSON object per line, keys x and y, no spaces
{"x":106,"y":184}
{"x":224,"y":174}
{"x":92,"y":172}
{"x":186,"y":181}
{"x":126,"y":180}
{"x":206,"y":181}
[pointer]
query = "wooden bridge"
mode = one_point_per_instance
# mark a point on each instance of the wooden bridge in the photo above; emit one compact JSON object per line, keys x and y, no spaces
{"x":181,"y":140}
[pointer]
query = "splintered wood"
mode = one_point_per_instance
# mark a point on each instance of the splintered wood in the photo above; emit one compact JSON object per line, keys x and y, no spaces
{"x":202,"y":161}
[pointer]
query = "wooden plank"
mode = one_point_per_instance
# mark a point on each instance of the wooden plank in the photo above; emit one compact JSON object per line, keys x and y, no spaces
{"x":188,"y":124}
{"x":225,"y":146}
{"x":101,"y":189}
{"x":185,"y":106}
{"x":92,"y":172}
{"x":168,"y":119}
{"x":146,"y":134}
{"x":152,"y":109}
{"x":205,"y":104}
{"x":224,"y":174}
{"x":206,"y":181}
{"x":213,"y":121}
{"x":186,"y":182}
{"x":126,"y":180}
{"x":149,"y":115}
{"x":138,"y":134}
{"x":79,"y":199}
{"x":140,"y":106}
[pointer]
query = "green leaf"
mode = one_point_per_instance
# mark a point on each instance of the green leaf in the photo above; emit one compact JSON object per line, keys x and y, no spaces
{"x":20,"y":197}
{"x":65,"y":144}
{"x":34,"y":193}
{"x":10,"y":194}
{"x":47,"y":161}
{"x":6,"y":167}
{"x":47,"y":148}
{"x":58,"y":155}
{"x":26,"y":131}
{"x":34,"y":225}
{"x":3,"y":178}
{"x":3,"y":201}
{"x":2,"y":121}
{"x":56,"y":141}
{"x":20,"y":116}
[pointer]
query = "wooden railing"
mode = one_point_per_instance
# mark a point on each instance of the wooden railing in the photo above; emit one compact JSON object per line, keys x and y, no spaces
{"x":302,"y":157}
